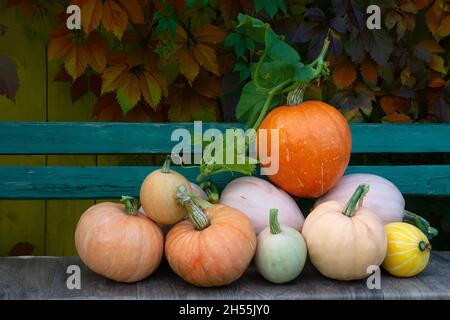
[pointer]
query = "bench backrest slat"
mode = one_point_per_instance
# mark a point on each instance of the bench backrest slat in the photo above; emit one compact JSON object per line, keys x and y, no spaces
{"x":22,"y":138}
{"x":138,"y":138}
{"x":113,"y":182}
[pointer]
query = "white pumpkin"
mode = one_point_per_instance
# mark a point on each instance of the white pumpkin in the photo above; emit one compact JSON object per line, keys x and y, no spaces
{"x":255,"y":197}
{"x":280,"y":252}
{"x":384,"y":199}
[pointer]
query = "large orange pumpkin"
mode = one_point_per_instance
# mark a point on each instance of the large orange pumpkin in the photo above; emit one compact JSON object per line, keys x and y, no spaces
{"x":115,"y":241}
{"x":314,"y":147}
{"x":213,"y":247}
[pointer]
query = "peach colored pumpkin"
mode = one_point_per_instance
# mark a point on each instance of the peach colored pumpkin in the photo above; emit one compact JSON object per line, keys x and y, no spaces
{"x":158,"y":195}
{"x":213,"y":247}
{"x":113,"y":240}
{"x":343,"y":241}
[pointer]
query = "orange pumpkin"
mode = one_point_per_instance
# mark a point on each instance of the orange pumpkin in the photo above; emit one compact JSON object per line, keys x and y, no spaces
{"x":213,"y":247}
{"x":158,"y":195}
{"x":113,"y":240}
{"x":314,"y":147}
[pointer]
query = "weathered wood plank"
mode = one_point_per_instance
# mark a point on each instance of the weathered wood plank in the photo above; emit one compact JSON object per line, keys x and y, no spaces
{"x":112,"y":182}
{"x":433,"y":283}
{"x":129,"y":138}
{"x":27,"y":277}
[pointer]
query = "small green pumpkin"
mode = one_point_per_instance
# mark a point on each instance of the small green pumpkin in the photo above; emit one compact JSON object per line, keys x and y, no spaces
{"x":281,"y":251}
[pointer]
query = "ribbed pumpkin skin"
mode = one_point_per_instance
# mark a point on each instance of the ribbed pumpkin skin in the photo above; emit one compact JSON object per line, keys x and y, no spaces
{"x":157,"y":196}
{"x":404,"y":257}
{"x":118,"y":246}
{"x":315,"y":147}
{"x":342,"y":247}
{"x":216,"y":255}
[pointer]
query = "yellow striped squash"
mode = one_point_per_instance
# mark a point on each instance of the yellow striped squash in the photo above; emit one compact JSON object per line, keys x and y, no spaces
{"x":408,"y":250}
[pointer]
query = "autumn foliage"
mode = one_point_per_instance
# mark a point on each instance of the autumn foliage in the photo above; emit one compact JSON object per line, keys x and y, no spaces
{"x":181,"y":60}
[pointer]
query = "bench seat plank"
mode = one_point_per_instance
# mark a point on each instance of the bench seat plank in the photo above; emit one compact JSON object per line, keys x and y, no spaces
{"x":106,"y":182}
{"x":45,"y":278}
{"x":137,"y":138}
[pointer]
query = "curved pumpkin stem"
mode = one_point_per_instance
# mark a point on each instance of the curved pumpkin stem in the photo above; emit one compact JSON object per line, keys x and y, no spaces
{"x":166,"y":166}
{"x":131,"y":205}
{"x":421,"y":223}
{"x":195,"y":213}
{"x":273,"y":222}
{"x":356,"y":200}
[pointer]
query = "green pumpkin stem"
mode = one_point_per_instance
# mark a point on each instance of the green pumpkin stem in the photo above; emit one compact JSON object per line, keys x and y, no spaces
{"x":356,"y":200}
{"x":166,"y":166}
{"x":421,"y":223}
{"x":211,"y":191}
{"x":131,"y":205}
{"x":273,"y":222}
{"x":424,"y":246}
{"x":194,"y":209}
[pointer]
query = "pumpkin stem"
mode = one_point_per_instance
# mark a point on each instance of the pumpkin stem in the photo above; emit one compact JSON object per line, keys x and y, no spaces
{"x":295,"y":96}
{"x":190,"y":203}
{"x":273,"y":222}
{"x":211,"y":191}
{"x":419,"y":222}
{"x":356,"y":200}
{"x":424,"y":246}
{"x":131,"y":205}
{"x":166,"y":166}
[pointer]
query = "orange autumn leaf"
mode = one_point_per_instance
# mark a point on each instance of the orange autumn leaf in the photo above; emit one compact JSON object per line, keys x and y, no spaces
{"x":397,"y":118}
{"x":436,"y":82}
{"x":438,"y":20}
{"x":187,"y":104}
{"x":344,"y":74}
{"x":191,"y":54}
{"x":77,"y":52}
{"x":108,"y":109}
{"x":209,"y":33}
{"x":394,"y":104}
{"x":112,"y":14}
{"x":133,"y":82}
{"x":437,"y":64}
{"x":369,"y":72}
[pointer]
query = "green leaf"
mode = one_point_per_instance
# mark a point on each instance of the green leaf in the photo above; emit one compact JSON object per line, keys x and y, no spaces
{"x":273,"y":73}
{"x":270,"y":6}
{"x":251,"y":103}
{"x":243,"y":69}
{"x":260,"y":32}
{"x":278,"y":49}
{"x":304,"y":73}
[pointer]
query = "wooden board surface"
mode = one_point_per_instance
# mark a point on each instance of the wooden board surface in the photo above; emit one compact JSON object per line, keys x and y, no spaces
{"x":45,"y":278}
{"x":113,"y":182}
{"x":21,"y":232}
{"x":133,"y":138}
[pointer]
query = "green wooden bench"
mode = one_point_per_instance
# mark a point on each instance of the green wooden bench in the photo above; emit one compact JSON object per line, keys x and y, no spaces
{"x":45,"y":277}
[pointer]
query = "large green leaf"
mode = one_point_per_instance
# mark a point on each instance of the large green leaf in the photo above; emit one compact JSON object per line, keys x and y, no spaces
{"x":251,"y":103}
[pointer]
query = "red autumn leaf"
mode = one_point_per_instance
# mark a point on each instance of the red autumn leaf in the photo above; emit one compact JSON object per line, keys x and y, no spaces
{"x":115,"y":19}
{"x":27,"y":7}
{"x":78,"y":52}
{"x":344,"y":74}
{"x":230,"y":10}
{"x":91,"y":13}
{"x":79,"y":87}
